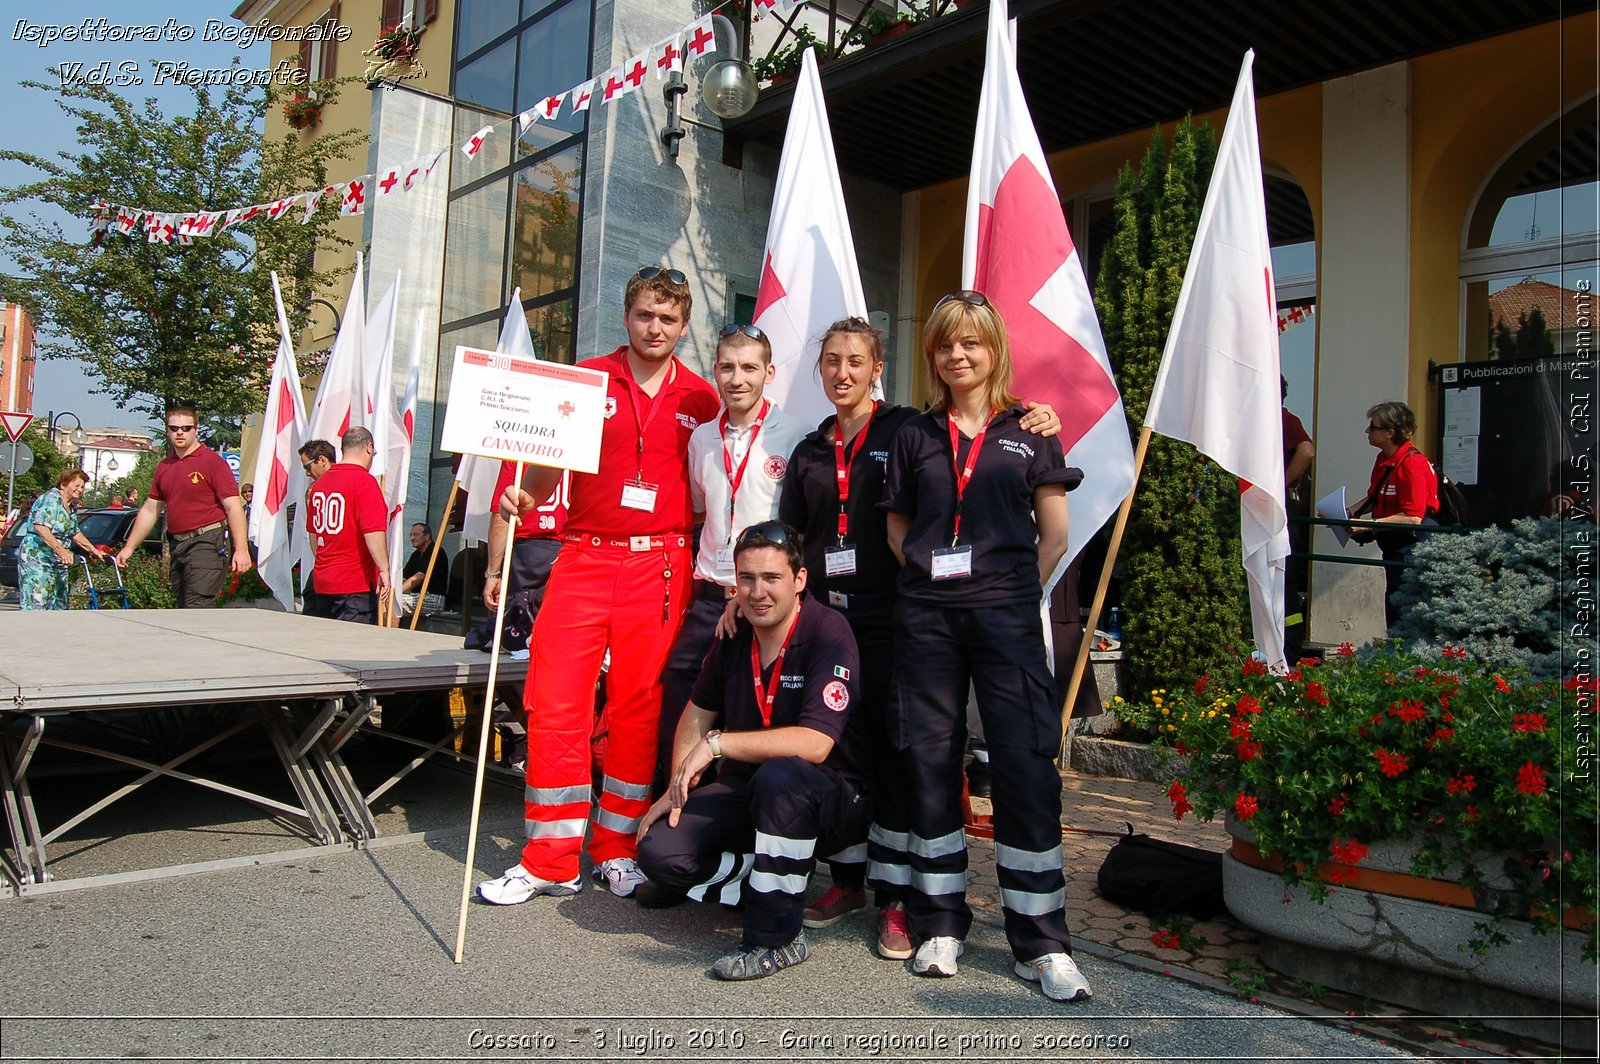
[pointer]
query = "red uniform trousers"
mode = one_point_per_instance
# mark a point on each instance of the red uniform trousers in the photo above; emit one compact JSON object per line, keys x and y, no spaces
{"x":601,"y":594}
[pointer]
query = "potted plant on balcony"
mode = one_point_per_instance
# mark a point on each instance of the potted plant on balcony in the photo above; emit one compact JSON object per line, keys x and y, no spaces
{"x":784,"y":63}
{"x":302,"y":112}
{"x":878,"y":25}
{"x":393,"y":56}
{"x":1372,"y":788}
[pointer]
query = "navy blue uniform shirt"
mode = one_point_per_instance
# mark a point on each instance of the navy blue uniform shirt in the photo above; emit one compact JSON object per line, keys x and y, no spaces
{"x":810,"y":503}
{"x":819,"y":688}
{"x":996,"y":513}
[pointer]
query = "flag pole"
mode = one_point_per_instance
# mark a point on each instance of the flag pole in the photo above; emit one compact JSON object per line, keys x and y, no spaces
{"x":1082,"y":661}
{"x":449,"y":507}
{"x":483,"y":732}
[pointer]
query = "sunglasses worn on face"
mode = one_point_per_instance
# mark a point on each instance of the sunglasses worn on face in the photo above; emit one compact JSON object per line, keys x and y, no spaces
{"x":967,"y":296}
{"x":675,"y":276}
{"x":749,"y":330}
{"x":181,"y":428}
{"x":1376,"y":428}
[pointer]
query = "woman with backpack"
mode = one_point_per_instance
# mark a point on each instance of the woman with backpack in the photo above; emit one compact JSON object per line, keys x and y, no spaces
{"x":1404,"y":490}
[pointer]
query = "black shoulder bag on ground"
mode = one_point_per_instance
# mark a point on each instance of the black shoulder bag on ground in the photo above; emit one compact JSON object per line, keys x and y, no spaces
{"x":1162,"y":878}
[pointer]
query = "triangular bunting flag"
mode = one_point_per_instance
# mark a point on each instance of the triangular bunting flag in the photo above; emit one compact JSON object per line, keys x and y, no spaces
{"x":355,"y":197}
{"x":582,"y":96}
{"x":700,"y":38}
{"x":475,"y":142}
{"x":667,"y":56}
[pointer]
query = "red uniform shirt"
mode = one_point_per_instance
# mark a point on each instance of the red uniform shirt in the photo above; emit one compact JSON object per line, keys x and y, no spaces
{"x":345,"y":504}
{"x":543,"y":522}
{"x":1411,"y":489}
{"x":193,"y":489}
{"x":682,"y":404}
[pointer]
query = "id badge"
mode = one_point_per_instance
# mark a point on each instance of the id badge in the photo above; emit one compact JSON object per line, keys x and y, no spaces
{"x":841,"y":561}
{"x":723,"y":559}
{"x":639,"y":497}
{"x":952,"y":563}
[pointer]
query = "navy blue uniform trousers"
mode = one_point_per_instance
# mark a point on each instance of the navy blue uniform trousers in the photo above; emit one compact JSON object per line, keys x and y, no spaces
{"x":938,"y":650}
{"x":768,"y":827}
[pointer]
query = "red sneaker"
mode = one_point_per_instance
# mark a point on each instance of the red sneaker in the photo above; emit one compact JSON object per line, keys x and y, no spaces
{"x":834,"y":905}
{"x":894,"y":932}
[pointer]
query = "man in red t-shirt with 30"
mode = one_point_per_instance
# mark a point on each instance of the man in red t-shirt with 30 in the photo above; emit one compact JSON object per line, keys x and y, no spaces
{"x":621,"y":581}
{"x":348,"y":520}
{"x":204,"y":513}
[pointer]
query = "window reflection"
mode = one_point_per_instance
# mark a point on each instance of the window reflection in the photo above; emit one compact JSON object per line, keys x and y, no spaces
{"x":474,"y":252}
{"x":544,"y":246}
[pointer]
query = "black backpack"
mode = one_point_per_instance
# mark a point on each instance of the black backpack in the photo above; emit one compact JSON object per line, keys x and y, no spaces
{"x":1453,"y":506}
{"x":1162,"y":878}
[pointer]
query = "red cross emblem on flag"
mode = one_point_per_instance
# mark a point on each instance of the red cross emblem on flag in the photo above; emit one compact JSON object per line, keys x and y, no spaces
{"x":700,"y":43}
{"x":390,"y":180}
{"x":566,"y":409}
{"x":167,"y":229}
{"x":126,"y":220}
{"x":199,"y":224}
{"x":613,"y":86}
{"x":552,"y":105}
{"x":636,"y":73}
{"x":669,"y":57}
{"x":581,"y":101}
{"x":355,"y":196}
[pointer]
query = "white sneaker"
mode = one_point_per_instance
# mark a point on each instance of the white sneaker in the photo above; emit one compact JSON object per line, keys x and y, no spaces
{"x":937,"y":956}
{"x":1057,"y":975}
{"x":620,"y":875}
{"x":518,"y":885}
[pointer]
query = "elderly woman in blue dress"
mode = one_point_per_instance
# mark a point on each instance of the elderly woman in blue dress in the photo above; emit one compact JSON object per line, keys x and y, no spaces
{"x":45,"y":554}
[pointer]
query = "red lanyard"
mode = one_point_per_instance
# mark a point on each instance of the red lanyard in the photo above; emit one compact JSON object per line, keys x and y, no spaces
{"x":765,"y":695}
{"x":963,"y":474}
{"x":841,"y":466}
{"x":737,"y":478}
{"x":643,"y":421}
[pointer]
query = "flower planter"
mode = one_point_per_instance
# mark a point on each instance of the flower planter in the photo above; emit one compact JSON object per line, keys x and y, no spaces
{"x":1397,"y":937}
{"x":1093,"y":755}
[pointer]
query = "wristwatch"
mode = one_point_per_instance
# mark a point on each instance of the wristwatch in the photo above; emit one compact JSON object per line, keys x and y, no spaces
{"x":714,"y":740}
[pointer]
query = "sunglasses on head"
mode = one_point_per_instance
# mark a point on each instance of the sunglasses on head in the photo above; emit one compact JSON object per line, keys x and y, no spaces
{"x":749,"y":330}
{"x":651,"y":272}
{"x":967,"y":296}
{"x":766,"y":534}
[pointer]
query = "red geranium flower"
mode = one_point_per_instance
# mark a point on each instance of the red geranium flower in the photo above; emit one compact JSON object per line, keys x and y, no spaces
{"x":1336,"y":805}
{"x":1180,"y":800}
{"x":1165,"y":939}
{"x":1528,"y":722}
{"x":1316,"y":693}
{"x":1347,"y":648}
{"x":1391,"y":765}
{"x":1238,"y":727}
{"x":1454,"y":652}
{"x":1249,"y":750}
{"x":1463,"y":785}
{"x":1245,"y":806}
{"x":1248,"y":705}
{"x":1501,"y":686}
{"x":1252,"y":667}
{"x":1200,"y":684}
{"x":1347,"y":851}
{"x":1531,"y":779}
{"x":1408,"y":710}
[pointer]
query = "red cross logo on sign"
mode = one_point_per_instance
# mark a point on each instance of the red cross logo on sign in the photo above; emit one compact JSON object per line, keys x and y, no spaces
{"x":566,"y":409}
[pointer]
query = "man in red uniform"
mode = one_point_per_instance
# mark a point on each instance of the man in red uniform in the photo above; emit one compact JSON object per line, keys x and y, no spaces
{"x":347,"y":520}
{"x":203,"y":514}
{"x":622,"y":580}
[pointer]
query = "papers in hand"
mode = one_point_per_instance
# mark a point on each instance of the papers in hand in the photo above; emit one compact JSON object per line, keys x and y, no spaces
{"x":1331,"y":507}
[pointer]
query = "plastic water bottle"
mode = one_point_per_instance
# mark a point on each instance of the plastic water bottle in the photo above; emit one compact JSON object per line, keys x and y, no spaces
{"x":1114,"y":629}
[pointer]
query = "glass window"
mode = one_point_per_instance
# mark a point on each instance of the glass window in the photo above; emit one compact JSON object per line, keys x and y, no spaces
{"x":480,"y":21}
{"x":555,"y":56}
{"x":496,"y":151}
{"x":483,"y":336}
{"x":551,"y":328}
{"x":475,"y":237}
{"x":544,"y":246}
{"x":531,"y":8}
{"x":488,"y":80}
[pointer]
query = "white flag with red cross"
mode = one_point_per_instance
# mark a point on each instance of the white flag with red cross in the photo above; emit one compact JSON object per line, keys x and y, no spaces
{"x":354,"y":201}
{"x":635,"y":70}
{"x":700,"y":38}
{"x":340,"y":403}
{"x":667,"y":56}
{"x":278,"y":477}
{"x":474,"y":144}
{"x":401,"y":434}
{"x":128,"y":219}
{"x":809,"y":276}
{"x":583,"y":95}
{"x":389,"y":181}
{"x":612,"y":85}
{"x":476,"y":474}
{"x":550,"y":106}
{"x":281,"y":207}
{"x":1019,"y":254}
{"x":380,"y":377}
{"x":1219,"y":387}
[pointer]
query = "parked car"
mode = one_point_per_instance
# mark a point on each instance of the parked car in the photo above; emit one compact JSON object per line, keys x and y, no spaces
{"x":107,"y":529}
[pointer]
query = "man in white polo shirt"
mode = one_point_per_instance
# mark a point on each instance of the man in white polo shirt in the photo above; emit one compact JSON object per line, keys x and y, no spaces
{"x":736,"y":468}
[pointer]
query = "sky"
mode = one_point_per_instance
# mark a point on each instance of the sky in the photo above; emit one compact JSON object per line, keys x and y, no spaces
{"x":25,"y":54}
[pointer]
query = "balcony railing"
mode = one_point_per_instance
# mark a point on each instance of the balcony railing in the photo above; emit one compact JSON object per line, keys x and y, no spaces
{"x":833,"y":27}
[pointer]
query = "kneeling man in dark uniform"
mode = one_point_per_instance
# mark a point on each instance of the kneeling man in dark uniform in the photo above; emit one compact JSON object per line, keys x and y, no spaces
{"x":773,"y":711}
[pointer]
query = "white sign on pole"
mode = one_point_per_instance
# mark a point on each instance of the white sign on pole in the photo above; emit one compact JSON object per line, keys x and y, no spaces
{"x":14,"y":422}
{"x":18,"y":458}
{"x":525,"y":410}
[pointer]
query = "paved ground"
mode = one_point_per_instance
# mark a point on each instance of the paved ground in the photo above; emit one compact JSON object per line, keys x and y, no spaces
{"x":348,"y":956}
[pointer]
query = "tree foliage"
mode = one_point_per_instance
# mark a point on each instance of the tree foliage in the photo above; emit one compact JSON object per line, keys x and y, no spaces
{"x":161,"y":322}
{"x":1531,"y":339}
{"x":1184,"y":594}
{"x":48,"y":464}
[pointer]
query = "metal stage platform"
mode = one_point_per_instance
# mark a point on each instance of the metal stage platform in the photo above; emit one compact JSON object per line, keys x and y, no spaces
{"x":307,"y":683}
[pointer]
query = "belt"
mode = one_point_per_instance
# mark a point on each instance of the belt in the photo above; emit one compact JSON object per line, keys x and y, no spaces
{"x":632,"y":544}
{"x":710,"y":589}
{"x":179,"y":537}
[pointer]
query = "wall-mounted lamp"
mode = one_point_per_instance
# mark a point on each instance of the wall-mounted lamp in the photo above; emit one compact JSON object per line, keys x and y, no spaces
{"x":728,"y":86}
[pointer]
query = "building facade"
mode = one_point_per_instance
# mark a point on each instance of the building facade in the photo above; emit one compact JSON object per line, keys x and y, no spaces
{"x":16,"y":358}
{"x":1417,"y":166}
